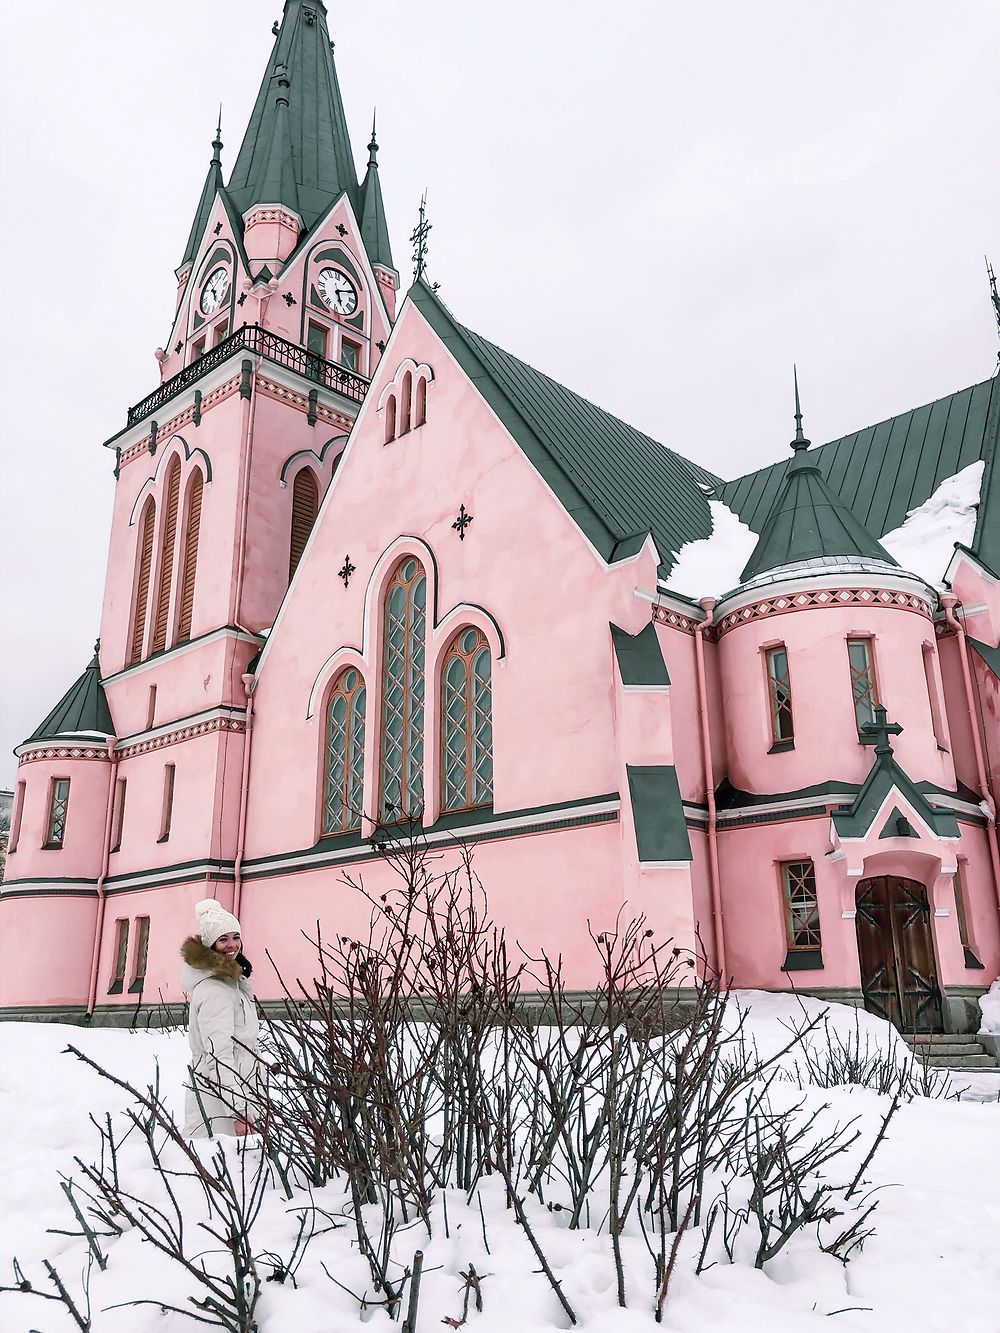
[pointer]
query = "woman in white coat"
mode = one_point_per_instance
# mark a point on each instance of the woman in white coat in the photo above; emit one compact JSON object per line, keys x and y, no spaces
{"x":222,"y":1026}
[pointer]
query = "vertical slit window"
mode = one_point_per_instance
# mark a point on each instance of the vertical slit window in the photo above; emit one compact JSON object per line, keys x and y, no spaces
{"x":167,"y":811}
{"x":55,"y":831}
{"x":121,"y":957}
{"x":151,"y":707}
{"x":172,"y":491}
{"x":862,"y":659}
{"x":934,"y":697}
{"x":344,"y":770}
{"x":141,"y":954}
{"x":15,"y":818}
{"x":405,"y":394}
{"x":466,"y":723}
{"x":962,"y":916}
{"x":139,"y":610}
{"x":189,"y":560}
{"x":119,"y":815}
{"x":779,"y":691}
{"x":420,"y":415}
{"x":402,"y":729}
{"x":390,"y":418}
{"x":798,"y":879}
{"x":305,"y":506}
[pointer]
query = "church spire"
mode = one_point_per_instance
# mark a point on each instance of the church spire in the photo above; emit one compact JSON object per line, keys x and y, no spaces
{"x":374,"y":230}
{"x":807,"y":521}
{"x":318,"y":163}
{"x":213,"y":183}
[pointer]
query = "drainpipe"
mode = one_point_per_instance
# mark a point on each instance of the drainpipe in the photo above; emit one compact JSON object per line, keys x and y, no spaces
{"x":949,"y":601}
{"x":707,"y":604}
{"x":101,"y":896}
{"x":248,"y":684}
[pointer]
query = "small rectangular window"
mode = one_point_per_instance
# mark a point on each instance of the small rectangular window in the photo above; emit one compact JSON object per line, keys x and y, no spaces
{"x":198,"y":350}
{"x":861,"y":655}
{"x":350,"y":354}
{"x":802,"y":932}
{"x":962,"y":915}
{"x":15,"y":819}
{"x":119,"y":814}
{"x":779,"y":689}
{"x":934,"y":697}
{"x":220,"y":332}
{"x":316,"y":339}
{"x":167,"y":812}
{"x":141,"y":955}
{"x":151,"y":707}
{"x":58,"y":806}
{"x":121,"y":957}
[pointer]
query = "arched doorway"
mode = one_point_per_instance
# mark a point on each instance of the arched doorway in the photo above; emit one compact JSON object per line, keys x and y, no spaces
{"x":896,"y":949}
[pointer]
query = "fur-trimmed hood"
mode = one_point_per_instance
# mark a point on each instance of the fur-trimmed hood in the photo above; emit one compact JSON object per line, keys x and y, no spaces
{"x":201,"y":962}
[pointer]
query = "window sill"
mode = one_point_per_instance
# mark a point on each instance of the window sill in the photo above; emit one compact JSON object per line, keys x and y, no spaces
{"x":803,"y":960}
{"x":116,"y":987}
{"x":779,"y":747}
{"x":52,"y":846}
{"x":971,"y":961}
{"x":136,"y":986}
{"x":165,"y":838}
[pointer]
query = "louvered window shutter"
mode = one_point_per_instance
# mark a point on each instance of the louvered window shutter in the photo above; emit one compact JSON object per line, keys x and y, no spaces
{"x":190,"y":564}
{"x":173,"y":490}
{"x":142,"y":581}
{"x":305,"y":504}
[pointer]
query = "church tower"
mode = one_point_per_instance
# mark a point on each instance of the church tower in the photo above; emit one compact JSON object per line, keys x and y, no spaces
{"x":285,"y":299}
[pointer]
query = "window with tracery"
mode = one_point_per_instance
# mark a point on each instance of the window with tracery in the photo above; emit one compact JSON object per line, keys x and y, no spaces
{"x":466,"y":723}
{"x":779,"y":690}
{"x":798,"y":880}
{"x":401,"y":750}
{"x":344,"y":766}
{"x":861,"y":656}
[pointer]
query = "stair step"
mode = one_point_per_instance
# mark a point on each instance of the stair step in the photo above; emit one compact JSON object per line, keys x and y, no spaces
{"x":939,"y":1038}
{"x":947,"y":1048}
{"x":970,"y":1062}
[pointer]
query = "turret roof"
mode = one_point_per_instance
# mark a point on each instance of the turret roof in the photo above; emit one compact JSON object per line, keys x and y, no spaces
{"x":321,"y":164}
{"x":212,"y":186}
{"x":82,"y":711}
{"x":374,"y":229}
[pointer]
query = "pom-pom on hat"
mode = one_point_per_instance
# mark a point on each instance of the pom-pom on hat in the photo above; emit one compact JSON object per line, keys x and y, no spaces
{"x":213,"y":921}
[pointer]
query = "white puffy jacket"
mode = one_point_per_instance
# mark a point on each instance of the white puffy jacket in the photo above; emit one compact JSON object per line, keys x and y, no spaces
{"x":222,"y":1029}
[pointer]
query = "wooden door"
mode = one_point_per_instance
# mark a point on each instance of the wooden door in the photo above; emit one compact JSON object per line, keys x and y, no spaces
{"x":896,"y":948}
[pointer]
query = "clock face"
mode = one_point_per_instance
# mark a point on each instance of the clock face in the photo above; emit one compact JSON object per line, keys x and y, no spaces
{"x":214,"y":291}
{"x":337,"y":291}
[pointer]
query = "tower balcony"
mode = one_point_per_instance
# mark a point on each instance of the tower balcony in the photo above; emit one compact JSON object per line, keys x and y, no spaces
{"x":252,"y":338}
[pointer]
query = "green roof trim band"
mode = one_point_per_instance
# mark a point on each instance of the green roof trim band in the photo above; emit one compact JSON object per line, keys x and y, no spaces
{"x":658,"y":813}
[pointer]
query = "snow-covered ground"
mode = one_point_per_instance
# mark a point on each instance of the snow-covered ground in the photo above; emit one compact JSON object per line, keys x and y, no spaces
{"x":933,"y":1264}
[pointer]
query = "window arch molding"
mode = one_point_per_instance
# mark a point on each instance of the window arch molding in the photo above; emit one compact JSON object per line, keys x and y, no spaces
{"x":176,"y":445}
{"x":394,"y":388}
{"x":317,"y":460}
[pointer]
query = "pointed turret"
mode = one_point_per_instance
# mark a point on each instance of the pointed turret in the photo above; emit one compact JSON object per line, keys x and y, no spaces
{"x":317,"y":165}
{"x":213,"y":183}
{"x":807,"y":521}
{"x":82,"y":711}
{"x":374,"y":231}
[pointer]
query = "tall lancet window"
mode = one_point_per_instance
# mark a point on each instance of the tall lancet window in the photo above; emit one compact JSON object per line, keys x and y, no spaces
{"x":401,"y":764}
{"x":172,"y":495}
{"x":142,"y":576}
{"x":189,"y":560}
{"x":343,"y":782}
{"x":466,"y":723}
{"x":305,"y":506}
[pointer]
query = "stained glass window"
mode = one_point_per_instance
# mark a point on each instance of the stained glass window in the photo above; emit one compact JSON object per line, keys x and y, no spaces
{"x":801,"y":908}
{"x":343,"y":786}
{"x":401,"y":771}
{"x":859,"y":652}
{"x":466,"y":723}
{"x":779,"y":690}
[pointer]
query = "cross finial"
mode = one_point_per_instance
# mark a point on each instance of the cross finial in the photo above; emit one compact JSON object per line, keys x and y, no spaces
{"x":419,"y":238}
{"x":993,"y":293}
{"x":800,"y":442}
{"x":877,"y":733}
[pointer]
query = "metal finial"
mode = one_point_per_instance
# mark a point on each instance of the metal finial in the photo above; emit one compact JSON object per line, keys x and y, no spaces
{"x":800,"y":442}
{"x":217,"y":142}
{"x":993,"y":290}
{"x":373,"y":145}
{"x":419,"y":238}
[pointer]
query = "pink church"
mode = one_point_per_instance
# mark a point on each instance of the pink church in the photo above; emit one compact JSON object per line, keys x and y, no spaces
{"x":365,"y":564}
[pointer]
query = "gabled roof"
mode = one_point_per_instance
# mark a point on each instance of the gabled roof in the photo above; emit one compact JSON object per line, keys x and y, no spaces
{"x":213,"y":184}
{"x":855,"y":820}
{"x":321,"y":162}
{"x":82,"y":711}
{"x":615,"y":482}
{"x":374,"y":229}
{"x":883,"y":471}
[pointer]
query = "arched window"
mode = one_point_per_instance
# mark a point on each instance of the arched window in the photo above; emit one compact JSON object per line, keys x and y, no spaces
{"x":189,"y":559}
{"x":420,"y":415}
{"x":401,"y":778}
{"x":145,"y":562}
{"x":466,"y":723}
{"x":405,"y":394}
{"x":172,"y":494}
{"x":305,"y":505}
{"x":390,"y":418}
{"x":344,"y":764}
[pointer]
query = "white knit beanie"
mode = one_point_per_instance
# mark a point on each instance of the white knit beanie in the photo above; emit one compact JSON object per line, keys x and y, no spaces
{"x":214,"y":920}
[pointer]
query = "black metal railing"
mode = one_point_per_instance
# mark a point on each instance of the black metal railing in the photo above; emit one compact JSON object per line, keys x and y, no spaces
{"x":254,"y":339}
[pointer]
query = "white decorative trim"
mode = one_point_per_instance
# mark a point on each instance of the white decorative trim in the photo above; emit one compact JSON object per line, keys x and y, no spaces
{"x":169,"y":728}
{"x":181,"y":649}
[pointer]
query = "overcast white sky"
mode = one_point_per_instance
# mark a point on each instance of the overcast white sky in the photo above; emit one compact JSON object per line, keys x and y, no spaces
{"x":661,"y":204}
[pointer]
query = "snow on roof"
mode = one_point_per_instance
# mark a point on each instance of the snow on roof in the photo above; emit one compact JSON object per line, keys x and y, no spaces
{"x":925,"y":542}
{"x":713,"y":565}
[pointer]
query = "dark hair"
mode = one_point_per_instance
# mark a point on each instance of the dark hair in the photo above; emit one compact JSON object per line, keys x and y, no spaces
{"x":244,"y":963}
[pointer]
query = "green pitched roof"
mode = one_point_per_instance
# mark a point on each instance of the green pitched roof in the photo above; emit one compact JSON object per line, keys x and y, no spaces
{"x":883,"y":471}
{"x":991,"y":656}
{"x":82,"y":711}
{"x":315,"y":141}
{"x":640,"y":660}
{"x":855,"y":820}
{"x":374,"y":229}
{"x":658,"y":813}
{"x":212,"y":186}
{"x":616,"y":483}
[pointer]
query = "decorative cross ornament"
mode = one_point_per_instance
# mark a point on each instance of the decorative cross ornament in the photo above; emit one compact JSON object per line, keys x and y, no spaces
{"x":341,"y":229}
{"x":461,"y":523}
{"x":346,"y":570}
{"x":877,"y":733}
{"x":419,"y":239}
{"x":218,"y":228}
{"x":289,"y":299}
